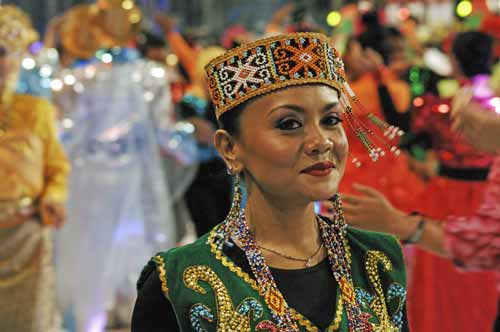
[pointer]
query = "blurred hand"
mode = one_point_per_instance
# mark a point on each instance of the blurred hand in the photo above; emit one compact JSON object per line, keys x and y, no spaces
{"x":426,"y":169}
{"x":167,"y":23}
{"x":52,"y":31}
{"x":53,"y":214}
{"x":374,"y":212}
{"x":283,"y":12}
{"x":479,"y":126}
{"x":373,"y":58}
{"x":204,"y":130}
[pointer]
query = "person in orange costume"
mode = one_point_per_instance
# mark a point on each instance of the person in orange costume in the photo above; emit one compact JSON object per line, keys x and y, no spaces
{"x":186,"y":54}
{"x":387,"y":97}
{"x":33,"y":172}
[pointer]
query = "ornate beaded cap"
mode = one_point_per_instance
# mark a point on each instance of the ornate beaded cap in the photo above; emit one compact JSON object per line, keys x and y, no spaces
{"x":286,"y":60}
{"x":270,"y":64}
{"x":16,"y":30}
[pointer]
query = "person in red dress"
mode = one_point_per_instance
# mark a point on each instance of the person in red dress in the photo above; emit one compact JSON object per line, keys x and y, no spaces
{"x":386,"y":96}
{"x":442,"y":298}
{"x":472,"y":243}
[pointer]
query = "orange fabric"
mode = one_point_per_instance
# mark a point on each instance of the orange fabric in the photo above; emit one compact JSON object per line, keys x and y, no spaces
{"x":390,"y":174}
{"x":32,"y":161}
{"x":185,"y":53}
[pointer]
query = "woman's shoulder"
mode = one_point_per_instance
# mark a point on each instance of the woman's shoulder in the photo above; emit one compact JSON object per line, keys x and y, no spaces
{"x":369,"y":248}
{"x":373,"y":240}
{"x":191,"y":253}
{"x":172,"y":260}
{"x":364,"y":241}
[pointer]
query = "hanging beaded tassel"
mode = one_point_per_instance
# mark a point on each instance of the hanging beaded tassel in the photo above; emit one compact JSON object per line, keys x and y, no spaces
{"x":364,"y":133}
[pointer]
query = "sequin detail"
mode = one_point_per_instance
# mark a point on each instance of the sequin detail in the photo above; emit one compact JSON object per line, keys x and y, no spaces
{"x":229,"y":318}
{"x":197,"y":313}
{"x":162,"y":273}
{"x":378,"y":303}
{"x":215,"y":241}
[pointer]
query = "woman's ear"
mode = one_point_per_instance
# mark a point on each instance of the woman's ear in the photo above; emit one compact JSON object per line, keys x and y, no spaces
{"x":228,"y":149}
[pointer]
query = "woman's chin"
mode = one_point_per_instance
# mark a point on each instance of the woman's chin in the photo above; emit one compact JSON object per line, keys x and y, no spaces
{"x":323,"y":194}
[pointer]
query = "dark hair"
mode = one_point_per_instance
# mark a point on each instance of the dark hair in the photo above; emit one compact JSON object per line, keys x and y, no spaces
{"x":147,"y":40}
{"x":230,"y":120}
{"x":370,"y":20}
{"x":380,"y":39}
{"x":474,"y":52}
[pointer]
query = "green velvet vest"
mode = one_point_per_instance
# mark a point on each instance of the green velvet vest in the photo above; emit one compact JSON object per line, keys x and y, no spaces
{"x":210,"y":293}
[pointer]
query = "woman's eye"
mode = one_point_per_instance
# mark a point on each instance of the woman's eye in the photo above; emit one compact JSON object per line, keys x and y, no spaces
{"x":289,"y":124}
{"x":331,"y":120}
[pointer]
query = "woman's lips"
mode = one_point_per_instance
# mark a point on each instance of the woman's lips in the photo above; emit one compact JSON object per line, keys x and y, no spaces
{"x":320,"y":169}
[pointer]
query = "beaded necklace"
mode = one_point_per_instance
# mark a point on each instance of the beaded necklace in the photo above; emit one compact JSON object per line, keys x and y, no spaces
{"x":335,"y":241}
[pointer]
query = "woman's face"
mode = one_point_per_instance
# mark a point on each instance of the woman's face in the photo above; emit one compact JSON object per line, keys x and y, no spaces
{"x":292,"y":143}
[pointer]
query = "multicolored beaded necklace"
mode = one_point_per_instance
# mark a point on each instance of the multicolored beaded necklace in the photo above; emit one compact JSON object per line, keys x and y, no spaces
{"x":335,"y":241}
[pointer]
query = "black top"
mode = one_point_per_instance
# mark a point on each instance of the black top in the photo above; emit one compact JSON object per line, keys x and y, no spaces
{"x":310,"y":291}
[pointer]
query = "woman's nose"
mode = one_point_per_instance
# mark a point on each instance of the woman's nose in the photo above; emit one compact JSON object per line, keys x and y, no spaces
{"x":318,"y":143}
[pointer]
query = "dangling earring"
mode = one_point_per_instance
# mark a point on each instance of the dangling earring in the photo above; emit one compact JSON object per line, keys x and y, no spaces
{"x":235,"y":210}
{"x":338,"y":212}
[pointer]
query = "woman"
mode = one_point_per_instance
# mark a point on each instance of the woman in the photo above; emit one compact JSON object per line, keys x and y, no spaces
{"x":114,"y":146}
{"x":473,"y":243}
{"x":459,"y":189}
{"x":268,"y":266}
{"x":388,"y":98}
{"x":33,"y":172}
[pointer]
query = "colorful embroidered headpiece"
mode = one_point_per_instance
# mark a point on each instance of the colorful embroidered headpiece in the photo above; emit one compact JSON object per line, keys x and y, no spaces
{"x":277,"y":62}
{"x":16,"y":30}
{"x":270,"y":64}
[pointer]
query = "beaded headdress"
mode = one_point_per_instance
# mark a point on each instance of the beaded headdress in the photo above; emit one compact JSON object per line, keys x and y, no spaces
{"x":277,"y":62}
{"x":16,"y":30}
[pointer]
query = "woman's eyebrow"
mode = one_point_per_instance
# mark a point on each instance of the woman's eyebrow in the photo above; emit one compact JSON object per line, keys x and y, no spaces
{"x":292,"y":107}
{"x":331,"y":105}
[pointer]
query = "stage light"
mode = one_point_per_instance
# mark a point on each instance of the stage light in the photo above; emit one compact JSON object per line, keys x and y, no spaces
{"x":464,"y":8}
{"x":28,"y":63}
{"x":443,"y":108}
{"x":56,"y":85}
{"x":172,"y":60}
{"x":418,"y":102}
{"x":127,"y":4}
{"x":107,"y":58}
{"x":333,"y":19}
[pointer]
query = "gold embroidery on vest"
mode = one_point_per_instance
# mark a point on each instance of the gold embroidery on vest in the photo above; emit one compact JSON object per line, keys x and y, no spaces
{"x":378,"y":305}
{"x":303,"y":321}
{"x":162,"y":273}
{"x":229,"y":319}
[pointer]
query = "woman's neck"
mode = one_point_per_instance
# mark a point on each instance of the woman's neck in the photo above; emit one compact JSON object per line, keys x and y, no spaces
{"x":287,"y":227}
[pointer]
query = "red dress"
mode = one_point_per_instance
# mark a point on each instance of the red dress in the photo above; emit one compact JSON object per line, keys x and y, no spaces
{"x":440,"y":297}
{"x":474,"y":243}
{"x":389,"y":174}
